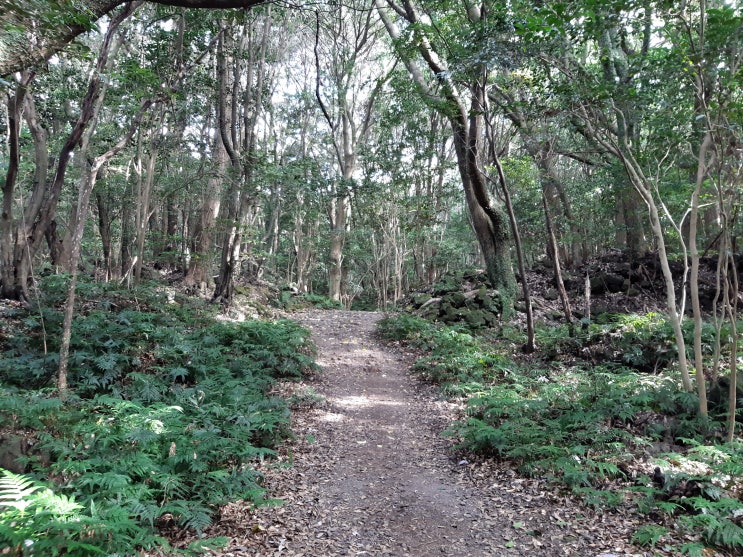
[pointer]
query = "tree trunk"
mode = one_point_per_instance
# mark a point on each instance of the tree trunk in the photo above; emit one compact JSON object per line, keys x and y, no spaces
{"x":127,"y":237}
{"x":9,"y":283}
{"x":199,"y":268}
{"x":641,"y":185}
{"x":237,"y":129}
{"x":702,"y":168}
{"x":145,"y":181}
{"x":555,"y":256}
{"x":104,"y":230}
{"x":488,"y":218}
{"x":42,"y":207}
{"x":87,"y":183}
{"x":339,"y":72}
{"x":553,"y":186}
{"x":337,"y":240}
{"x":634,"y":233}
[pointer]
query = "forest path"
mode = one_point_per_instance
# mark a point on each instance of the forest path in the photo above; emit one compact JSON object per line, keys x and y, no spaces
{"x":370,"y":473}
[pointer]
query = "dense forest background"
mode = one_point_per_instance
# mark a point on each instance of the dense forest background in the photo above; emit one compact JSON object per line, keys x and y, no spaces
{"x":355,"y":152}
{"x":350,"y":150}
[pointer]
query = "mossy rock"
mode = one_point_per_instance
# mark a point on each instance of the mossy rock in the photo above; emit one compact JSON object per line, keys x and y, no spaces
{"x":420,"y":298}
{"x":492,"y":303}
{"x":445,"y":287}
{"x":598,"y":286}
{"x":483,"y":298}
{"x":607,"y":282}
{"x":431,"y":313}
{"x":446,"y":311}
{"x":455,"y":299}
{"x":450,"y":314}
{"x":476,"y":318}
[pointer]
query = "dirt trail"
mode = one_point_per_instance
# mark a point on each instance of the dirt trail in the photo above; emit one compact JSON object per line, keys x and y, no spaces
{"x":370,"y":474}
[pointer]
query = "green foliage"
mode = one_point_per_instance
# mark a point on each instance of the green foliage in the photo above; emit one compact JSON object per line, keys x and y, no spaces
{"x":404,"y":326}
{"x":581,"y":427}
{"x":35,"y":520}
{"x":170,"y":410}
{"x":714,"y":520}
{"x":458,"y":360}
{"x":649,"y":535}
{"x":290,"y":301}
{"x":644,"y":342}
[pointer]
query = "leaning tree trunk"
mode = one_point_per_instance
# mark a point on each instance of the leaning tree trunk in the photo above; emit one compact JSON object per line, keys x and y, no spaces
{"x":489,"y":220}
{"x":702,"y":168}
{"x":530,"y":345}
{"x":555,"y":256}
{"x":641,"y":185}
{"x":87,"y":183}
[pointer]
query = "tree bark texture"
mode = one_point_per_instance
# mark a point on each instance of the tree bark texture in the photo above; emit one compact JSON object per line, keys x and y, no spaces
{"x":15,"y":103}
{"x":237,"y":128}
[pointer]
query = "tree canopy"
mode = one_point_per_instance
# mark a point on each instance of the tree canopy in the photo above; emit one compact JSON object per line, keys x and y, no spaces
{"x":33,"y":30}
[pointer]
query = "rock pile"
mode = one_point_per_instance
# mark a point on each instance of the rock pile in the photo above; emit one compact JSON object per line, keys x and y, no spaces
{"x":465,"y":298}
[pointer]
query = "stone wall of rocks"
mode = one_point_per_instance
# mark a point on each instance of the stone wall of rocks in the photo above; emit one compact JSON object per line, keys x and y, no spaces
{"x":467,"y":299}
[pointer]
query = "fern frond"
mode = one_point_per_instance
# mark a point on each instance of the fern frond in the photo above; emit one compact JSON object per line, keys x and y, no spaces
{"x":15,"y":491}
{"x":725,"y":533}
{"x":190,"y":514}
{"x":63,"y":505}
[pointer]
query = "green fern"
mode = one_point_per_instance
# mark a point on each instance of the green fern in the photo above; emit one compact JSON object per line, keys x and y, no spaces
{"x":41,"y":521}
{"x":190,"y":514}
{"x":724,"y":533}
{"x":16,"y":491}
{"x":169,"y":411}
{"x":649,"y":535}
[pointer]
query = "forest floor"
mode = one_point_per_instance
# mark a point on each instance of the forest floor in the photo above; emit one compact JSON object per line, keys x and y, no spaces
{"x":369,"y":472}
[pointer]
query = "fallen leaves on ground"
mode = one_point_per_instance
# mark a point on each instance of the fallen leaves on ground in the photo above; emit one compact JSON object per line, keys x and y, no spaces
{"x":369,"y":473}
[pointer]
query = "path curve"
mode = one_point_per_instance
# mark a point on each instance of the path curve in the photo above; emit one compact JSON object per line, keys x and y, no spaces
{"x":370,"y":474}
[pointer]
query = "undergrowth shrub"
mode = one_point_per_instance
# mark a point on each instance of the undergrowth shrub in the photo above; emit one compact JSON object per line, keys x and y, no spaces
{"x":405,"y":327}
{"x":645,"y":342}
{"x":454,"y":358}
{"x":34,"y":520}
{"x":291,"y":301}
{"x":169,"y":412}
{"x":585,"y":428}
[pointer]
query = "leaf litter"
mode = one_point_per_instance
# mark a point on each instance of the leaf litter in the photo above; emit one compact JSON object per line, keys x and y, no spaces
{"x":369,"y":473}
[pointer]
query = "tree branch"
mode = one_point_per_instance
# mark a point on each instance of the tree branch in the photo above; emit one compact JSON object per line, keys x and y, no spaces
{"x":33,"y":42}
